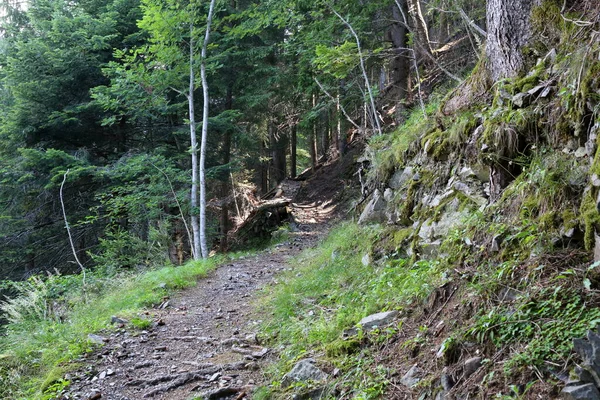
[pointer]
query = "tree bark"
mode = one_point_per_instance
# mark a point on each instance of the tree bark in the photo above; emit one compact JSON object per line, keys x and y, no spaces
{"x":400,"y":63}
{"x":203,"y":245}
{"x":293,"y":148}
{"x":508,"y":31}
{"x":194,"y":143}
{"x":278,"y":145}
{"x":420,"y":26}
{"x":226,"y":151}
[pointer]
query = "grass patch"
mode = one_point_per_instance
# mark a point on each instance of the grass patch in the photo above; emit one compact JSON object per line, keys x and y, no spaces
{"x":51,"y":317}
{"x":330,"y":290}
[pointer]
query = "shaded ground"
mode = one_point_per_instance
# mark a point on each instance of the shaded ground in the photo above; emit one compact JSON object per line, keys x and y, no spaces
{"x":204,"y":340}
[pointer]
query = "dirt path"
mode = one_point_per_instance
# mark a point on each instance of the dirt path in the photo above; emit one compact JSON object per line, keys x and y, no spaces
{"x":205,"y":342}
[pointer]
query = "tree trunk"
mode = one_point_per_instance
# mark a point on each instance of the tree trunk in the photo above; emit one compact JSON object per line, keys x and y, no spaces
{"x":312,"y":139}
{"x":194,"y":143}
{"x":225,"y":176}
{"x":400,"y":63}
{"x":203,"y":245}
{"x":278,"y":145}
{"x":293,"y":148}
{"x":420,"y":26}
{"x":508,"y":31}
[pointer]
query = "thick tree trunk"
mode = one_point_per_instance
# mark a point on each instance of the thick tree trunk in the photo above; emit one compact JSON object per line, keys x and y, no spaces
{"x":400,"y":63}
{"x":508,"y":31}
{"x":278,"y":145}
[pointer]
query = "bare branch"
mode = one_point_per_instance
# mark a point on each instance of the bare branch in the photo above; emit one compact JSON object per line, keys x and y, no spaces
{"x":337,"y":101}
{"x":472,"y":23}
{"x":64,"y":212}
{"x":187,"y":229}
{"x":362,"y":67}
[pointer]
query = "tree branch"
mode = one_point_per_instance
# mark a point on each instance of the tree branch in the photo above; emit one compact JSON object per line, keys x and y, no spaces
{"x":362,"y":67}
{"x":64,"y":212}
{"x":338,"y":103}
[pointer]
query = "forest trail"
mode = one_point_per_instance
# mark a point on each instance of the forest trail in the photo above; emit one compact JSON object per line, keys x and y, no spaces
{"x":204,"y":339}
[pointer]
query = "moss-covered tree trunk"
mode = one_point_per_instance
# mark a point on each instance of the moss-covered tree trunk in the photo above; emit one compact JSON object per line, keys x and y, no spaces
{"x":508,"y":32}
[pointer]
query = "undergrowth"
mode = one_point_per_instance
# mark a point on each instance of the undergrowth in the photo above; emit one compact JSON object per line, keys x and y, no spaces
{"x":51,"y":316}
{"x":331,"y":288}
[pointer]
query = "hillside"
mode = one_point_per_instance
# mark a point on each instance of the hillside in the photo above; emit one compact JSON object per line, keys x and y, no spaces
{"x":442,"y":243}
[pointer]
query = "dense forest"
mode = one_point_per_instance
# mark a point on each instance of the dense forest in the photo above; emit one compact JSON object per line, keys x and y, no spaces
{"x":101,"y":89}
{"x":143,"y":141}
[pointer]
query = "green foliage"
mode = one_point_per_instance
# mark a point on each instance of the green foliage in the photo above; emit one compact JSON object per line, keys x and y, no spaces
{"x":542,"y":324}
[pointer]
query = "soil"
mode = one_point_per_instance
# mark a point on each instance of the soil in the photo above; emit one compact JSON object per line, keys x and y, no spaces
{"x":205,"y":340}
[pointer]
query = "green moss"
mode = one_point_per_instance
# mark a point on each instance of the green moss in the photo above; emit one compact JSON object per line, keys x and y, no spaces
{"x":342,"y":347}
{"x":590,"y":216}
{"x":401,"y":235}
{"x":407,"y":208}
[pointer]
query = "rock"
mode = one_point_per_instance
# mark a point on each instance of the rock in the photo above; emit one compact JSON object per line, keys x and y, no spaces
{"x":521,"y":100}
{"x":595,"y":180}
{"x":303,"y":371}
{"x":581,"y":152}
{"x":430,"y":250}
{"x":581,"y":392}
{"x":466,"y":172}
{"x":426,"y":231}
{"x":446,"y":381}
{"x":388,"y":195}
{"x":412,"y":377}
{"x":97,"y":339}
{"x":102,"y":375}
{"x":374,"y":210}
{"x":261,"y":353}
{"x":400,"y":177}
{"x":496,"y":242}
{"x":366,"y":260}
{"x":377,"y":320}
{"x":116,"y":320}
{"x":471,"y":365}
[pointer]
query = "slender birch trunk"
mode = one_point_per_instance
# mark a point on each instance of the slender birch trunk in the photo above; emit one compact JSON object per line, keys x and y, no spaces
{"x":203,"y":246}
{"x":194,"y":143}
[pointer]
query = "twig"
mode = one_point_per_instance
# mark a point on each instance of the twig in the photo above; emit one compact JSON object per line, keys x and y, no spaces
{"x":434,"y":316}
{"x":471,"y":23}
{"x":337,"y":101}
{"x":187,"y":229}
{"x":62,"y":203}
{"x":362,"y":67}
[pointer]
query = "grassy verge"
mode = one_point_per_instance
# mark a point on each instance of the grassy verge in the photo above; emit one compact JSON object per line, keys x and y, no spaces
{"x":330,"y":289}
{"x":51,"y":318}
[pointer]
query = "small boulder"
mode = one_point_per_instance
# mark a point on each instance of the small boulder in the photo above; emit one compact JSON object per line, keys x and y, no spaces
{"x":400,"y":177}
{"x":116,"y":320}
{"x":97,"y":339}
{"x":374,"y":210}
{"x":366,"y":260}
{"x":412,"y":377}
{"x":471,"y":366}
{"x":377,"y":320}
{"x":303,"y":371}
{"x":587,"y":391}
